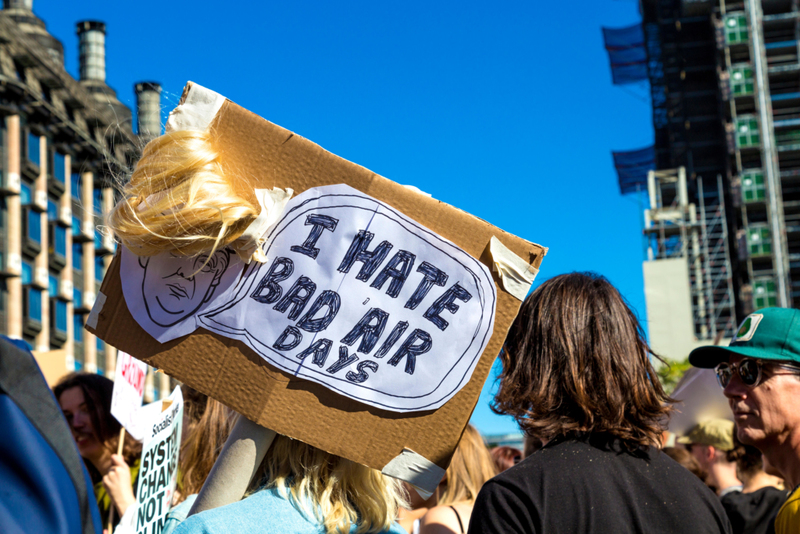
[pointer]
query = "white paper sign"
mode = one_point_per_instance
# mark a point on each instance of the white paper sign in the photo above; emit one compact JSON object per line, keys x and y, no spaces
{"x":126,"y":399}
{"x":357,"y":297}
{"x":158,"y":468}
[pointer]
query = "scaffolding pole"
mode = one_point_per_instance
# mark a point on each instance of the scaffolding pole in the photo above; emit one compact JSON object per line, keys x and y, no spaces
{"x":770,"y":158}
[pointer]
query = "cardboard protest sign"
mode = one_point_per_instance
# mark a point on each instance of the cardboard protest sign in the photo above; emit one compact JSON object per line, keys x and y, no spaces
{"x":410,"y":313}
{"x":126,"y":399}
{"x":158,"y":468}
{"x":380,"y":415}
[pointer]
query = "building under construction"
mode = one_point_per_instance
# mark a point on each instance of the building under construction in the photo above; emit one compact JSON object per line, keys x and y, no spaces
{"x":722,"y":181}
{"x":64,"y":142}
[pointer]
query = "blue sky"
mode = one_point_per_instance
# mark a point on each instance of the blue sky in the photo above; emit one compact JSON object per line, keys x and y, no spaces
{"x":506,"y":112}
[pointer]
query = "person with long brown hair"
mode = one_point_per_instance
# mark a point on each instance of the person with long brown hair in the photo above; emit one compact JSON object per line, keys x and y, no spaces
{"x":470,"y":468}
{"x":85,"y":399}
{"x":577,"y":375}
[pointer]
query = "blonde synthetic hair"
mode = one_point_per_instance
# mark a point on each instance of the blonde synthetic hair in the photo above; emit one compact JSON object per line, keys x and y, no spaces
{"x":470,"y":468}
{"x":335,"y":491}
{"x":179,"y":199}
{"x":209,"y":426}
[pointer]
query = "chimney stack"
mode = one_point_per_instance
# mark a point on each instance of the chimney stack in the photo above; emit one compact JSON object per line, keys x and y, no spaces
{"x":148,"y":109}
{"x":27,"y":5}
{"x":92,"y":38}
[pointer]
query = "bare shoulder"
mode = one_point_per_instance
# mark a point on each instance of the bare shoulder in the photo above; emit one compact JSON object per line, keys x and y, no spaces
{"x":443,"y":520}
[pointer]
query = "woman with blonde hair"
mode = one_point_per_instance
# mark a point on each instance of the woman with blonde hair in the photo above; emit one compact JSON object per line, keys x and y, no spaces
{"x":471,"y":467}
{"x":302,"y":490}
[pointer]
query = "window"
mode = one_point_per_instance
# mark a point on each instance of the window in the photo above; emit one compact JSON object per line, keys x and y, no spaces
{"x":77,"y":297}
{"x":77,"y":323}
{"x":76,"y":226}
{"x":759,"y":240}
{"x":77,"y":256}
{"x":747,"y":135}
{"x":97,"y":200}
{"x":52,"y":210}
{"x":34,"y":308}
{"x":34,"y":226}
{"x":753,"y":189}
{"x":27,"y":273}
{"x":764,"y":293}
{"x":99,"y":268}
{"x":60,"y":240}
{"x":52,"y":285}
{"x":98,"y":239}
{"x":61,"y":316}
{"x":156,"y":387}
{"x":59,"y":169}
{"x":33,"y":148}
{"x":75,"y":183}
{"x":736,"y":28}
{"x":25,"y":194}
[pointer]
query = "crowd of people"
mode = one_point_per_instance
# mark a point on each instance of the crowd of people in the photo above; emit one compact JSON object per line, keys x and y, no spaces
{"x":579,"y":378}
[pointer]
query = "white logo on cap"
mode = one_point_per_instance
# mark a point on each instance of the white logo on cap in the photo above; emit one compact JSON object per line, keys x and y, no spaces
{"x":748,"y":327}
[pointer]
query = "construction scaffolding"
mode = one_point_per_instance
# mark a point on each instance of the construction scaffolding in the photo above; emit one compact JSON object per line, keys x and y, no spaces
{"x":677,"y":228}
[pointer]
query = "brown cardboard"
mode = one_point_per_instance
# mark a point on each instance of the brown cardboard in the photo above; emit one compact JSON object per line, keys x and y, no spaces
{"x":265,"y":155}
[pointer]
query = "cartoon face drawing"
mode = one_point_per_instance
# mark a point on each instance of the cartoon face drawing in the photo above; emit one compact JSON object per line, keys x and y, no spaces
{"x":174,"y":287}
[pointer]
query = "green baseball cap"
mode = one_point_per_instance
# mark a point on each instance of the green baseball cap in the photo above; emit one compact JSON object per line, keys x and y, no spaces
{"x":767,"y":334}
{"x":715,"y":432}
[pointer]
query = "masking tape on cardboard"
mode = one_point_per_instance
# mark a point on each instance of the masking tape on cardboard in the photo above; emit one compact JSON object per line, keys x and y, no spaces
{"x":97,"y":309}
{"x":516,"y":274}
{"x":417,"y":470}
{"x":196,"y":111}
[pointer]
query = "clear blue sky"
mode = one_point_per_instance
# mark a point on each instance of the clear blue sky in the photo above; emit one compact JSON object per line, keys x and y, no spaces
{"x":505,"y":111}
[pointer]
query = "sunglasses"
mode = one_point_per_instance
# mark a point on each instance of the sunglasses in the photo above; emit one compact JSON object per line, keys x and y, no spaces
{"x":749,"y":370}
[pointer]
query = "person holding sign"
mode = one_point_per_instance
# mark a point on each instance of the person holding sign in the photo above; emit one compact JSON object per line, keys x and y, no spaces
{"x":577,"y":375}
{"x":85,"y":399}
{"x":303,"y":490}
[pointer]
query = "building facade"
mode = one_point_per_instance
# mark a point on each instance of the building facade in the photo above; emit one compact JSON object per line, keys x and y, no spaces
{"x":722,"y":180}
{"x":65,"y":144}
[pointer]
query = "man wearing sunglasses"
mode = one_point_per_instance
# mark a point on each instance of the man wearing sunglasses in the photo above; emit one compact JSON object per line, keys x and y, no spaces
{"x":760,"y":375}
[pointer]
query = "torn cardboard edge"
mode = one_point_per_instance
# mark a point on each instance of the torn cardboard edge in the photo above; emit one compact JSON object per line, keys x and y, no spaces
{"x":266,"y":155}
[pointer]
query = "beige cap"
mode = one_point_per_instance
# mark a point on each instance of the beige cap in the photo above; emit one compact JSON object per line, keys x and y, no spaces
{"x":715,"y":432}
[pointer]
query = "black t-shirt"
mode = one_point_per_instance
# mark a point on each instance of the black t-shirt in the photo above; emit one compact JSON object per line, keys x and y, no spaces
{"x":589,"y":484}
{"x":754,"y":513}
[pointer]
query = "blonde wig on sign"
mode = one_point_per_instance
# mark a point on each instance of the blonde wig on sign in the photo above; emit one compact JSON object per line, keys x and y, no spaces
{"x":179,"y":199}
{"x":470,"y":468}
{"x":333,"y":490}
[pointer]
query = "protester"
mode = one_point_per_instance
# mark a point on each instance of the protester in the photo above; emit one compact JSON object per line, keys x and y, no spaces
{"x":760,"y":375}
{"x":577,"y":374}
{"x":416,"y":508}
{"x":685,"y":458}
{"x":505,"y":457}
{"x":710,"y":442}
{"x":470,"y":468}
{"x":44,"y":486}
{"x":85,"y":400}
{"x":302,"y":489}
{"x":753,"y":510}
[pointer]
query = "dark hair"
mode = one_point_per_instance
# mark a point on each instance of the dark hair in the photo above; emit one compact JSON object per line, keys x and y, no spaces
{"x":576,"y":360}
{"x":97,"y":391}
{"x":748,"y":459}
{"x":685,"y":458}
{"x":505,"y":457}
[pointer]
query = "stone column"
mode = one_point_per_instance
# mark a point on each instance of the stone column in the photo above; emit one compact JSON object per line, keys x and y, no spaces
{"x":14,"y":231}
{"x":41,"y":266}
{"x":87,"y":222}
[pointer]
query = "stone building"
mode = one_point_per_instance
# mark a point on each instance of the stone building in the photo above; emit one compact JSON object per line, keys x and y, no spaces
{"x":64,"y":143}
